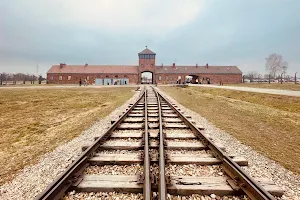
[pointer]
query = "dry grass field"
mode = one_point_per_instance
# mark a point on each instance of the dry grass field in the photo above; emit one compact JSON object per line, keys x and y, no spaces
{"x":35,"y":121}
{"x":283,"y":86}
{"x":268,"y":123}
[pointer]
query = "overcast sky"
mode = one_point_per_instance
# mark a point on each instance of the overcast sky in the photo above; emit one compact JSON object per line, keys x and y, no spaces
{"x":218,"y":32}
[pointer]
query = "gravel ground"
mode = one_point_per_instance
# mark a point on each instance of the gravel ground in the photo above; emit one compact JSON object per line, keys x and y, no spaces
{"x":193,"y":170}
{"x":196,"y":152}
{"x":176,"y":131}
{"x":133,"y":132}
{"x":128,"y":141}
{"x":211,"y":197}
{"x":185,"y":140}
{"x":32,"y":180}
{"x":134,"y":169}
{"x":259,"y":165}
{"x":120,"y":151}
{"x":102,"y":195}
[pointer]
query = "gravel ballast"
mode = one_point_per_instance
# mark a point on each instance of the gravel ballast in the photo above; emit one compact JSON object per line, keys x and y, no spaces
{"x":32,"y":180}
{"x":259,"y":165}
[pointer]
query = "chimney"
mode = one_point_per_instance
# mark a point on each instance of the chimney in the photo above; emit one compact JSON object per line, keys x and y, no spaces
{"x":162,"y":65}
{"x":61,"y":65}
{"x":173,"y":66}
{"x":206,"y":65}
{"x":85,"y":65}
{"x":196,"y":65}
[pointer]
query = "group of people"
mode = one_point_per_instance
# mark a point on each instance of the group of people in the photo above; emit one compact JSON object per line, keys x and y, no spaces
{"x":85,"y":83}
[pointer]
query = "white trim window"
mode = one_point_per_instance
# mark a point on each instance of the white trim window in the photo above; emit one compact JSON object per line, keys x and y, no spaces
{"x":60,"y":78}
{"x":159,"y":77}
{"x":69,"y":78}
{"x":88,"y":78}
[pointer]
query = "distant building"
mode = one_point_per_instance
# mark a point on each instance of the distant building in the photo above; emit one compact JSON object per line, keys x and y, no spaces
{"x":132,"y":74}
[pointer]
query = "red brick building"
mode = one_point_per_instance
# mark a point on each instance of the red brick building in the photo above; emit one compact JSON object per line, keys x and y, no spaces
{"x":132,"y":74}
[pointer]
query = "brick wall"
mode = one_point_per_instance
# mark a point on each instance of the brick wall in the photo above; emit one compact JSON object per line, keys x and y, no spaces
{"x":54,"y":78}
{"x":135,"y":78}
{"x":214,"y":78}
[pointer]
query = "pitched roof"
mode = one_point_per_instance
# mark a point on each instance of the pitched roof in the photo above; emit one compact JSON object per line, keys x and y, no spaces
{"x":199,"y":69}
{"x":89,"y":69}
{"x":147,"y":51}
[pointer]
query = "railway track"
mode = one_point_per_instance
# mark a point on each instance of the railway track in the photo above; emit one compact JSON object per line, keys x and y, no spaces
{"x":175,"y":158}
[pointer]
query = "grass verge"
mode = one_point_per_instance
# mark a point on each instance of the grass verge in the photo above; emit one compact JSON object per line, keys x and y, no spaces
{"x":283,"y":86}
{"x":268,"y":123}
{"x":35,"y":121}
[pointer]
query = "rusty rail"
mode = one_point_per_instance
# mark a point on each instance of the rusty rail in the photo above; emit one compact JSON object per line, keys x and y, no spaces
{"x":60,"y":185}
{"x":240,"y":178}
{"x":147,"y":182}
{"x":162,"y":188}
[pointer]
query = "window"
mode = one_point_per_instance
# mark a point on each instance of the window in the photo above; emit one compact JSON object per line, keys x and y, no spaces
{"x":60,"y":78}
{"x":167,"y":78}
{"x":116,"y":76}
{"x":51,"y":77}
{"x":88,"y":78}
{"x":159,"y":77}
{"x":69,"y":78}
{"x":179,"y":77}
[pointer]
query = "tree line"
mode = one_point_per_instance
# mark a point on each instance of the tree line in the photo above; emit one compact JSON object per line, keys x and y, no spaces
{"x":19,"y":77}
{"x":276,"y":68}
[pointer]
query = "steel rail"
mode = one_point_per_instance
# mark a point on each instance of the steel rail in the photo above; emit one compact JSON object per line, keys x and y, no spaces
{"x":71,"y":175}
{"x":241,"y":179}
{"x":147,"y":182}
{"x":162,"y":188}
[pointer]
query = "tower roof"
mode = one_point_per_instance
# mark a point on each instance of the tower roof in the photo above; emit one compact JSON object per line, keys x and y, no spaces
{"x":147,"y":51}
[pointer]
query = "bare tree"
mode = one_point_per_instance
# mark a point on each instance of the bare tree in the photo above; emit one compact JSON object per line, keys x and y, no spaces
{"x":251,"y":75}
{"x":275,"y":64}
{"x":285,"y":66}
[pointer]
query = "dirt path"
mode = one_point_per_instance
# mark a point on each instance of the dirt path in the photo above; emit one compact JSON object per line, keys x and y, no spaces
{"x":259,"y":90}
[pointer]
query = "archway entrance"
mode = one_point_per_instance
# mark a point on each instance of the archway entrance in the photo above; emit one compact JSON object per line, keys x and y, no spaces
{"x":146,"y":77}
{"x":193,"y":79}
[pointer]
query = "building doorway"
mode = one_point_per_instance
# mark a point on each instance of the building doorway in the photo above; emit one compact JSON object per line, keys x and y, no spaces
{"x":146,"y":77}
{"x":192,"y":79}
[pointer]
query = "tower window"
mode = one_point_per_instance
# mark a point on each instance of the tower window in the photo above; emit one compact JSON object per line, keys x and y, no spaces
{"x":159,"y":77}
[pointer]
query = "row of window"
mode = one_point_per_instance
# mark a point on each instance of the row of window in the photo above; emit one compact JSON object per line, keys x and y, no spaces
{"x":147,"y":56}
{"x":87,"y":77}
{"x":159,"y":78}
{"x":147,"y":65}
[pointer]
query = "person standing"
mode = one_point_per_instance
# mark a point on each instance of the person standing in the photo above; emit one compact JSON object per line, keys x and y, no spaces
{"x":80,"y":82}
{"x":85,"y":82}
